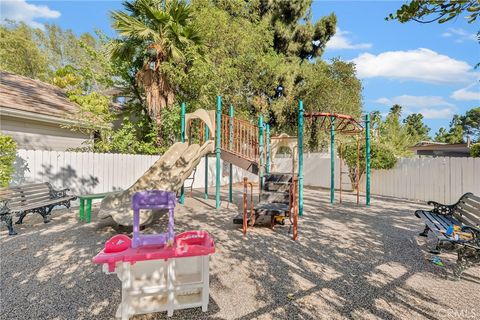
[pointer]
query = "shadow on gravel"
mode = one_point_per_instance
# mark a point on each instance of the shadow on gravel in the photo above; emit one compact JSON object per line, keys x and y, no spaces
{"x":349,"y":262}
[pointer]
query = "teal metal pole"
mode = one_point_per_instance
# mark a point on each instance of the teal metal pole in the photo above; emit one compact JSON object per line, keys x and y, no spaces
{"x":332,"y":160}
{"x":230,"y":146}
{"x":267,"y":167}
{"x":367,"y":159}
{"x":260,"y":151}
{"x":182,"y":139}
{"x":205,"y":196}
{"x":217,"y":150}
{"x":300,"y":157}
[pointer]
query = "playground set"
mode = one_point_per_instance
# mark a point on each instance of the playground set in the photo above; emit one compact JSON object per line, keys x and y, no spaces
{"x":247,"y":146}
{"x":250,"y":147}
{"x":166,"y":272}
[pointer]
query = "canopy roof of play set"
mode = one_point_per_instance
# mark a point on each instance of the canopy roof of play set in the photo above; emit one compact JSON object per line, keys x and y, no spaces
{"x":345,"y":124}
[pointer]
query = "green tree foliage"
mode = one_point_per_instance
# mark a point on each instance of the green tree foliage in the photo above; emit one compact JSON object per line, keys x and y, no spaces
{"x":392,"y":133}
{"x":154,"y":32}
{"x":475,"y":150}
{"x":244,"y":65}
{"x":20,"y":53}
{"x":441,"y":11}
{"x":416,"y":128}
{"x":471,"y":123}
{"x":8,"y":151}
{"x":294,"y":33}
{"x":454,"y":134}
{"x":382,"y":157}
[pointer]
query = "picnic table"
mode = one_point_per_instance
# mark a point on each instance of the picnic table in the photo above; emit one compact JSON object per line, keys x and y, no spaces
{"x":86,"y":215}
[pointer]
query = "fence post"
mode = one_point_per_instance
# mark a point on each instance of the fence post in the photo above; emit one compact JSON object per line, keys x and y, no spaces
{"x":230,"y":177}
{"x":217,"y":150}
{"x":267,"y":133}
{"x":260,"y":152}
{"x":182,"y":139}
{"x":332,"y":159}
{"x":206,"y":166}
{"x":300,"y":157}
{"x":367,"y":159}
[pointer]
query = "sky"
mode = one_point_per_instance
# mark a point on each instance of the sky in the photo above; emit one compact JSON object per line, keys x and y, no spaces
{"x":426,"y":68}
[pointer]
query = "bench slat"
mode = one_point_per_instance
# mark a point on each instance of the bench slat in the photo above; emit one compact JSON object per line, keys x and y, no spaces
{"x":468,"y":217}
{"x":25,"y":186}
{"x":29,"y":197}
{"x":473,"y":197}
{"x":431,"y":221}
{"x":24,"y":189}
{"x":472,"y":203}
{"x":29,"y":201}
{"x":24,"y":194}
{"x":41,"y":204}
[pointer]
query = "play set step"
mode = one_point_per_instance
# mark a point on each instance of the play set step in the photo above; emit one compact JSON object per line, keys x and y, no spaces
{"x":275,"y":197}
{"x":271,"y":209}
{"x":277,"y":181}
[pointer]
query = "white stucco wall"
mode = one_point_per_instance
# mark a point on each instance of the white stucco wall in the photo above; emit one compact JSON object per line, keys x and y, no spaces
{"x":38,"y":135}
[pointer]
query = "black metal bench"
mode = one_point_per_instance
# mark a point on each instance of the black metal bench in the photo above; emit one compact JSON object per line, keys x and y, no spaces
{"x":464,"y":214}
{"x":38,"y":198}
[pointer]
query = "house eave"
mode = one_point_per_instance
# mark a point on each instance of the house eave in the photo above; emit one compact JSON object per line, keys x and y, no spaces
{"x":43,"y":117}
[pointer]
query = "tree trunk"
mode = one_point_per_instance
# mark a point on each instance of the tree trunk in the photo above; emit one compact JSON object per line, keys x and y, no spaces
{"x":158,"y":93}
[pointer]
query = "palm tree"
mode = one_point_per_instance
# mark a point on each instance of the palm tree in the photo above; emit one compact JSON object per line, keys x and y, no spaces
{"x":154,"y":32}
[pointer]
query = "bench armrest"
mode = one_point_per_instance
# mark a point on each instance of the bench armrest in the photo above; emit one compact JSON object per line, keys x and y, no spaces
{"x":4,"y":206}
{"x":440,"y":208}
{"x":54,"y":194}
{"x":446,"y":209}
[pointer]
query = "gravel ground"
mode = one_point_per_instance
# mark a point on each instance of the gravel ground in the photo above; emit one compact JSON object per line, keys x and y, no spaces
{"x":349,"y":262}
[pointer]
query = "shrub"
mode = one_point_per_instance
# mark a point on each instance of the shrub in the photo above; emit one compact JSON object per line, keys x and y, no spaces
{"x":8,"y":151}
{"x":475,"y":150}
{"x":381,"y":157}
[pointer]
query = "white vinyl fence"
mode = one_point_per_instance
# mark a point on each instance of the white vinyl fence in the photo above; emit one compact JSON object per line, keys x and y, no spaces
{"x":442,"y":179}
{"x":97,"y":172}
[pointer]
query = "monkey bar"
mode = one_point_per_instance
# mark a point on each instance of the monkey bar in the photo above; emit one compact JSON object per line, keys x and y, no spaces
{"x":343,"y":124}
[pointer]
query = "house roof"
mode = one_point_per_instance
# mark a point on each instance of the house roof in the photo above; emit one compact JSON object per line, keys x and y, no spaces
{"x":440,"y":146}
{"x":25,"y":95}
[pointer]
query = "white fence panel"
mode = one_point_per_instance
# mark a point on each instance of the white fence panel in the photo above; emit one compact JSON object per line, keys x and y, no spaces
{"x":96,"y":172}
{"x":441,"y":179}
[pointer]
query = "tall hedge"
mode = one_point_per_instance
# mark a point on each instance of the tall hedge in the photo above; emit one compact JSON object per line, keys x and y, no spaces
{"x":8,"y":150}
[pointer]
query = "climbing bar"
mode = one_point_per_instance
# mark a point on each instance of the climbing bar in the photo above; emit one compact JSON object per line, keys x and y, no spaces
{"x":245,"y":205}
{"x":346,"y":124}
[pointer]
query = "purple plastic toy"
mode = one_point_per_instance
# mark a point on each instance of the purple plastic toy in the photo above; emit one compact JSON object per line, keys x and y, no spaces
{"x":153,"y":200}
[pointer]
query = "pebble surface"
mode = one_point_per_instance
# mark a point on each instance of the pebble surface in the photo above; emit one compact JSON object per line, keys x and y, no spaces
{"x":348,"y":262}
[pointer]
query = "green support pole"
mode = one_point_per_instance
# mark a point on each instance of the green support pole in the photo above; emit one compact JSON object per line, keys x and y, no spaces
{"x":332,"y":160}
{"x":260,"y":151}
{"x":367,"y":159}
{"x":182,"y":139}
{"x":230,"y":146}
{"x":267,"y":167}
{"x":205,"y":196}
{"x":217,"y":150}
{"x":300,"y":157}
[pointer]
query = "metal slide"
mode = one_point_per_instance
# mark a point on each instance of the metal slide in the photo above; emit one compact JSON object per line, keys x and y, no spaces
{"x":167,"y":173}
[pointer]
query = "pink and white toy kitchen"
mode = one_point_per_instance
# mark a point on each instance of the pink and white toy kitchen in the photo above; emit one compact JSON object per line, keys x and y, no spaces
{"x":159,"y":272}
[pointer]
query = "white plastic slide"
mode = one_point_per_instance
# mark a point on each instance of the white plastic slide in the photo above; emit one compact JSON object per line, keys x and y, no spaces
{"x":167,"y":173}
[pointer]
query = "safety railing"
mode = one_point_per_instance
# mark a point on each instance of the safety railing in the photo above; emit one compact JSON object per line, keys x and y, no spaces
{"x":239,"y":137}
